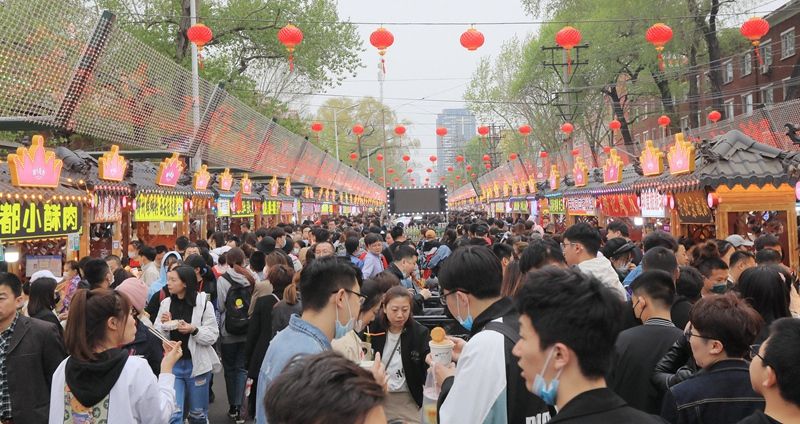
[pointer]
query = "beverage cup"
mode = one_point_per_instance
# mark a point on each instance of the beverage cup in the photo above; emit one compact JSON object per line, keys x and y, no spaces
{"x":442,"y":353}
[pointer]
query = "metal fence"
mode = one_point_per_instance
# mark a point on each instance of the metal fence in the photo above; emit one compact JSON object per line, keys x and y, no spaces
{"x":63,"y":66}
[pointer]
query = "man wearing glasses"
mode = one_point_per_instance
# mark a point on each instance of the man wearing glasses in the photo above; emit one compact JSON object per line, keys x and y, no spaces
{"x":331,"y":302}
{"x":720,"y":332}
{"x":773,"y":374}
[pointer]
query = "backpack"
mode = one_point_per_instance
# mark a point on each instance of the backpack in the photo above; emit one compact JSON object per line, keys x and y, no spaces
{"x":237,"y":303}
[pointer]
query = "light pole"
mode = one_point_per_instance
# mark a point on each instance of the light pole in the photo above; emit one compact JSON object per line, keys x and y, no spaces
{"x":336,"y":127}
{"x":195,"y":85}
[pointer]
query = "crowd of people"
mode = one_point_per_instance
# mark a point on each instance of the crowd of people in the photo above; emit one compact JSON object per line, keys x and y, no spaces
{"x":331,"y":321}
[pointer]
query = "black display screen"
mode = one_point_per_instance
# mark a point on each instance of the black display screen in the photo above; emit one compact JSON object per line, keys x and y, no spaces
{"x":417,"y":201}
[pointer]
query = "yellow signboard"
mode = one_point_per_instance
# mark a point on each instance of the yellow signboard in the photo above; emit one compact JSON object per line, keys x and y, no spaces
{"x":158,"y":207}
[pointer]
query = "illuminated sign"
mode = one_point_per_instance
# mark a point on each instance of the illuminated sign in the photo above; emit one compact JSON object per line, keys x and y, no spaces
{"x":273,"y":187}
{"x":107,"y":208}
{"x":111,"y":166}
{"x":580,"y":172}
{"x":201,"y":178}
{"x":246,"y":184}
{"x":651,"y":202}
{"x":693,"y":208}
{"x":225,"y":180}
{"x":25,"y":220}
{"x":556,"y":205}
{"x":554,"y":178}
{"x":34,"y":166}
{"x":612,"y":171}
{"x":158,"y":207}
{"x":681,"y":156}
{"x":581,"y":205}
{"x":169,"y":171}
{"x":287,"y":187}
{"x":652,"y":160}
{"x":619,"y":205}
{"x":271,"y":207}
{"x":244,"y":209}
{"x":223,"y":207}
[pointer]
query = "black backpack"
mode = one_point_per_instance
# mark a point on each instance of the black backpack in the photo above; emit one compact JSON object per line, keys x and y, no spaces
{"x":237,"y":304}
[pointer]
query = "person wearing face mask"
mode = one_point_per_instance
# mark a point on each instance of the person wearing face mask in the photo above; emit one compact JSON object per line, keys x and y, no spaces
{"x":568,"y":324}
{"x":404,"y":264}
{"x":486,"y":381}
{"x":403,"y":343}
{"x":708,"y":261}
{"x":351,"y":345}
{"x":619,"y":251}
{"x":331,"y":303}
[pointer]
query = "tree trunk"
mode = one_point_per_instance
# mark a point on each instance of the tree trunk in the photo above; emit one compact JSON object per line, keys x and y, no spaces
{"x":666,"y":100}
{"x":709,"y":31}
{"x":181,"y":42}
{"x":694,"y":87}
{"x":619,"y":114}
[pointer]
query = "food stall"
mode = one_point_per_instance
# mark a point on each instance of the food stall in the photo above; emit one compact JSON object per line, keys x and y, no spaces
{"x":200,"y":217}
{"x":236,"y":203}
{"x":278,"y":205}
{"x":42,"y":215}
{"x":552,"y":205}
{"x":161,"y":201}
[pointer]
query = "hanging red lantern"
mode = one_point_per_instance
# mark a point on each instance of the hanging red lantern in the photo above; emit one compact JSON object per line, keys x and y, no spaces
{"x":472,"y":39}
{"x":568,"y":37}
{"x":290,"y":36}
{"x":567,"y":128}
{"x":512,"y":156}
{"x":449,"y":169}
{"x":371,"y":170}
{"x":379,"y":157}
{"x":396,"y":179}
{"x":486,"y":158}
{"x":615,"y":125}
{"x":390,"y":171}
{"x":714,"y":116}
{"x":525,"y":130}
{"x":483,"y":130}
{"x":659,"y":35}
{"x":663,"y":121}
{"x":458,"y":177}
{"x":399,"y":130}
{"x":542,"y":154}
{"x":606,"y":149}
{"x":468,"y":168}
{"x":488,"y":165}
{"x":406,"y":158}
{"x":441,"y":131}
{"x":576,"y":152}
{"x":358,"y":129}
{"x":432,"y":158}
{"x":459,"y":159}
{"x":353,"y":156}
{"x":200,"y":35}
{"x":754,"y":29}
{"x":429,"y":170}
{"x":473,"y":175}
{"x":316,"y":127}
{"x":381,"y":39}
{"x":409,"y":170}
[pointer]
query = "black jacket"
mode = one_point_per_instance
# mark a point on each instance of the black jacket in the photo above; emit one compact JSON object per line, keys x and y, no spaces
{"x":259,"y":334}
{"x":148,"y":346}
{"x":720,"y":394}
{"x":521,"y":403}
{"x":637,"y":351}
{"x":35,"y":352}
{"x":676,"y":366}
{"x":47,"y":315}
{"x":413,"y":350}
{"x":680,"y":311}
{"x":759,"y":417}
{"x":601,"y":406}
{"x":281,"y":314}
{"x":419,"y":301}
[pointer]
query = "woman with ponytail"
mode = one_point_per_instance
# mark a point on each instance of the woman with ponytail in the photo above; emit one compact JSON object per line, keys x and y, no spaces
{"x":707,"y":259}
{"x":99,"y":380}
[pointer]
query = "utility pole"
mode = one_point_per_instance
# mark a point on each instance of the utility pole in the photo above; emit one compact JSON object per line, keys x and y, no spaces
{"x":196,"y":161}
{"x":567,"y":98}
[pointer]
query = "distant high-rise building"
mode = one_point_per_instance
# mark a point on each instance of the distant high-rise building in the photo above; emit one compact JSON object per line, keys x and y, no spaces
{"x":461,"y":127}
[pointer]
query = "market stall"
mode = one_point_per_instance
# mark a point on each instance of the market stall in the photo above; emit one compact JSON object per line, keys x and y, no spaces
{"x":236,"y":203}
{"x":161,"y":201}
{"x":552,"y":206}
{"x":200,"y":217}
{"x":42,"y":216}
{"x":279,"y":206}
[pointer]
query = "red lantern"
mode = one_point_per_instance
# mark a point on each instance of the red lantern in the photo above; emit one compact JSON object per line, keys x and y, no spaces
{"x":471,"y":39}
{"x":615,"y":125}
{"x":486,"y":158}
{"x":525,"y":130}
{"x":358,"y":129}
{"x":381,"y":39}
{"x":371,"y":170}
{"x":396,"y":179}
{"x":606,"y":149}
{"x":473,"y":175}
{"x":568,"y":37}
{"x":714,"y":116}
{"x":458,"y":177}
{"x":399,"y":130}
{"x":409,"y":170}
{"x":488,"y":166}
{"x":442,"y":178}
{"x":441,"y":131}
{"x":316,"y":127}
{"x":512,"y":156}
{"x":468,"y":168}
{"x":459,"y":159}
{"x":449,"y":169}
{"x":390,"y":171}
{"x":754,"y":29}
{"x":483,"y":130}
{"x":663,"y":121}
{"x":379,"y":157}
{"x":659,"y":35}
{"x":406,"y":158}
{"x":567,"y":128}
{"x":429,"y":170}
{"x":432,"y":158}
{"x":353,"y":156}
{"x":290,"y":36}
{"x":542,"y":154}
{"x":200,"y":35}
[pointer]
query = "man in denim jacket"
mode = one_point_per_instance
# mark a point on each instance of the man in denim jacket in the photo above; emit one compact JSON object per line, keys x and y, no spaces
{"x":331,"y":302}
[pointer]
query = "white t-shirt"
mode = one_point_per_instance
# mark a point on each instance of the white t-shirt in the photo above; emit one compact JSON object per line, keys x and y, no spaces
{"x":394,"y":369}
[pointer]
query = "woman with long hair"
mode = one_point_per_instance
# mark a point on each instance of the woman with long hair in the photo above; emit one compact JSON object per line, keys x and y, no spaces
{"x":403,"y":345}
{"x":42,"y":300}
{"x":764,"y":288}
{"x":187,"y":316}
{"x":98,"y":380}
{"x":511,"y":279}
{"x":290,"y":304}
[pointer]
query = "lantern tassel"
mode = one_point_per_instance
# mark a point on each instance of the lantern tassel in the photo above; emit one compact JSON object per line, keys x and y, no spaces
{"x":291,"y":62}
{"x":569,"y":63}
{"x":758,"y":55}
{"x":383,"y":65}
{"x":661,"y":62}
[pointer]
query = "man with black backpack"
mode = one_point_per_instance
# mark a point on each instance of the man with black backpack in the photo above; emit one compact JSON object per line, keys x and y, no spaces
{"x":486,"y":376}
{"x":234,"y":293}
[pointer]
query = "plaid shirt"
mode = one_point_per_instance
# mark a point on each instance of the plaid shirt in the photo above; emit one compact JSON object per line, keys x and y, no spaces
{"x":5,"y":393}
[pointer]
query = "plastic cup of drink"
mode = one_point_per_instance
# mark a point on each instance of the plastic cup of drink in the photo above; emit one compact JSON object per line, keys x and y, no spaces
{"x":442,"y":352}
{"x":366,"y":364}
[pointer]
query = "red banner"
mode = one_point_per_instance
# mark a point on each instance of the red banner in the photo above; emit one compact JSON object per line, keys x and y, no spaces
{"x":619,"y":205}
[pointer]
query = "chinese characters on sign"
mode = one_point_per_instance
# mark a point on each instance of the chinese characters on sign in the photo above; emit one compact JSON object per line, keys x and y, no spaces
{"x":556,"y":205}
{"x":159,"y":207}
{"x":652,"y":204}
{"x":271,"y":207}
{"x":619,"y":205}
{"x":519,"y":206}
{"x":580,"y":205}
{"x":29,"y":220}
{"x":107,"y":209}
{"x":245,"y":211}
{"x":693,"y":208}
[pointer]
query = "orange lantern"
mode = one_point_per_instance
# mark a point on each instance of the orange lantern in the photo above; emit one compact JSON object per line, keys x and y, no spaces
{"x":659,"y":35}
{"x":441,"y":131}
{"x":663,"y":121}
{"x":459,"y":159}
{"x":483,"y":130}
{"x":200,"y":35}
{"x":486,"y":158}
{"x":472,"y":39}
{"x":568,"y":37}
{"x":316,"y":127}
{"x":714,"y":116}
{"x":406,"y":158}
{"x":379,"y":157}
{"x":754,"y":29}
{"x":353,"y":156}
{"x":432,"y":158}
{"x":512,"y":156}
{"x":567,"y":128}
{"x":290,"y":36}
{"x":615,"y":125}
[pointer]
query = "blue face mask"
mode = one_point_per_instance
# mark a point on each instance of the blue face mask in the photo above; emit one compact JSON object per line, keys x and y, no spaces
{"x":342,"y":330}
{"x":466,"y":323}
{"x":719,"y":288}
{"x":547,"y":392}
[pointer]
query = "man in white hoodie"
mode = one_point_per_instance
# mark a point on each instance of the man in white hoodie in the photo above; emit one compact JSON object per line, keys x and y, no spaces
{"x":581,"y":245}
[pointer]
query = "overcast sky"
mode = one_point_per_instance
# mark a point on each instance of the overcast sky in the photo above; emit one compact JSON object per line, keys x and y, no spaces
{"x":425,"y":61}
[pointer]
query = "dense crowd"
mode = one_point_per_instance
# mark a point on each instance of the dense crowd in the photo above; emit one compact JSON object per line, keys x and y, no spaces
{"x":331,"y":322}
